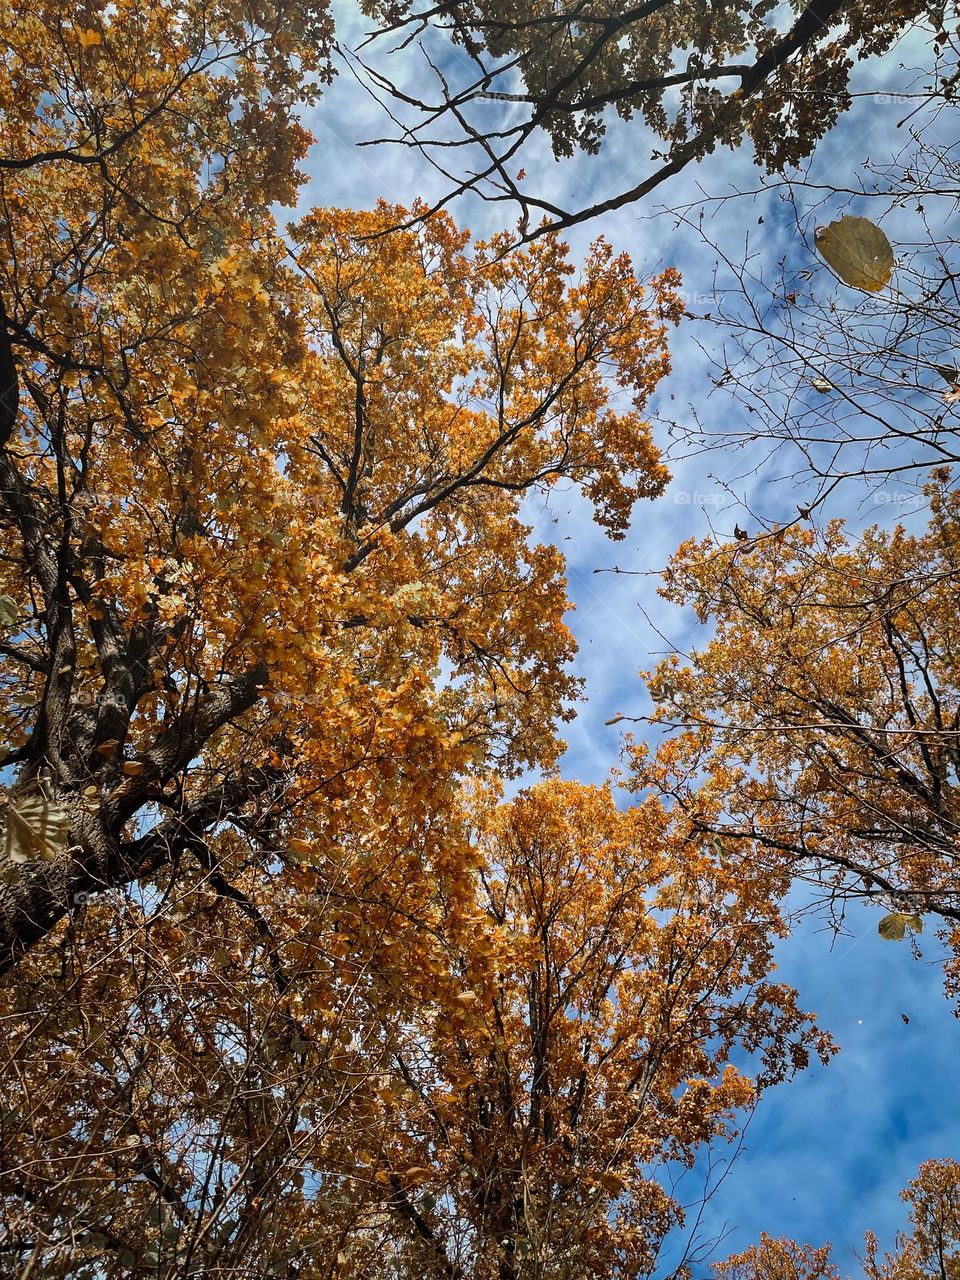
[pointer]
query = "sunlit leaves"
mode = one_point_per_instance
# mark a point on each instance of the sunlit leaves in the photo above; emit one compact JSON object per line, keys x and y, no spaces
{"x":602,"y":947}
{"x":819,"y":725}
{"x":275,"y":602}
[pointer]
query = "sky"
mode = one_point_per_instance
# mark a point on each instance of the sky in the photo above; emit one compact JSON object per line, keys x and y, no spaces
{"x":824,"y":1156}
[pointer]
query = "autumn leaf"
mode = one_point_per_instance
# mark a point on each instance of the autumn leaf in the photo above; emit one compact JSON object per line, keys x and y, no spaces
{"x":858,"y":251}
{"x":33,"y":827}
{"x":894,"y":926}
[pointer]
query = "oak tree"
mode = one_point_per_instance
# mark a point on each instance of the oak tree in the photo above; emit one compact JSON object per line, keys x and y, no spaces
{"x":700,"y":77}
{"x":258,"y":494}
{"x":479,"y":1051}
{"x":820,"y":723}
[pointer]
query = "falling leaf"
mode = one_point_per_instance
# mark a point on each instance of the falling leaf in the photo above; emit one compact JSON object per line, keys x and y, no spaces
{"x":858,"y":251}
{"x":35,"y":827}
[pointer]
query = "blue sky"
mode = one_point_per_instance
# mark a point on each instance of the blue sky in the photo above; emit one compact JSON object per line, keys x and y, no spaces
{"x":826,"y":1155}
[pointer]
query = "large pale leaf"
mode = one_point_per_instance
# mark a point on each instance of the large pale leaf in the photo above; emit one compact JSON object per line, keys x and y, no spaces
{"x":858,"y":251}
{"x":34,"y":827}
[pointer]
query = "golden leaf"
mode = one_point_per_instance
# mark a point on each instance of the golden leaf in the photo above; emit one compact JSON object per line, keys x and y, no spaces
{"x":858,"y":251}
{"x":35,"y":827}
{"x":893,"y":927}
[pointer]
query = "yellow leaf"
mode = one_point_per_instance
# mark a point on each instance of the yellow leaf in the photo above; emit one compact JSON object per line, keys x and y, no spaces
{"x":35,"y":827}
{"x":858,"y":251}
{"x":893,"y":927}
{"x":89,"y":37}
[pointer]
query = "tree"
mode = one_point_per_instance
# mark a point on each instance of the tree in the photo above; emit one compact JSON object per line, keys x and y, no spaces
{"x":820,"y":723}
{"x":598,"y":982}
{"x":139,"y":128}
{"x":478,"y":1060}
{"x":930,"y":1249}
{"x":213,"y":85}
{"x":733,"y":71}
{"x":234,"y":587}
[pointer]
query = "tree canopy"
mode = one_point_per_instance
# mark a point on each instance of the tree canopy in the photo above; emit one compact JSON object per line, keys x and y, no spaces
{"x":259,"y":493}
{"x":313,"y":965}
{"x":821,"y":720}
{"x":468,"y":1055}
{"x":698,"y":76}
